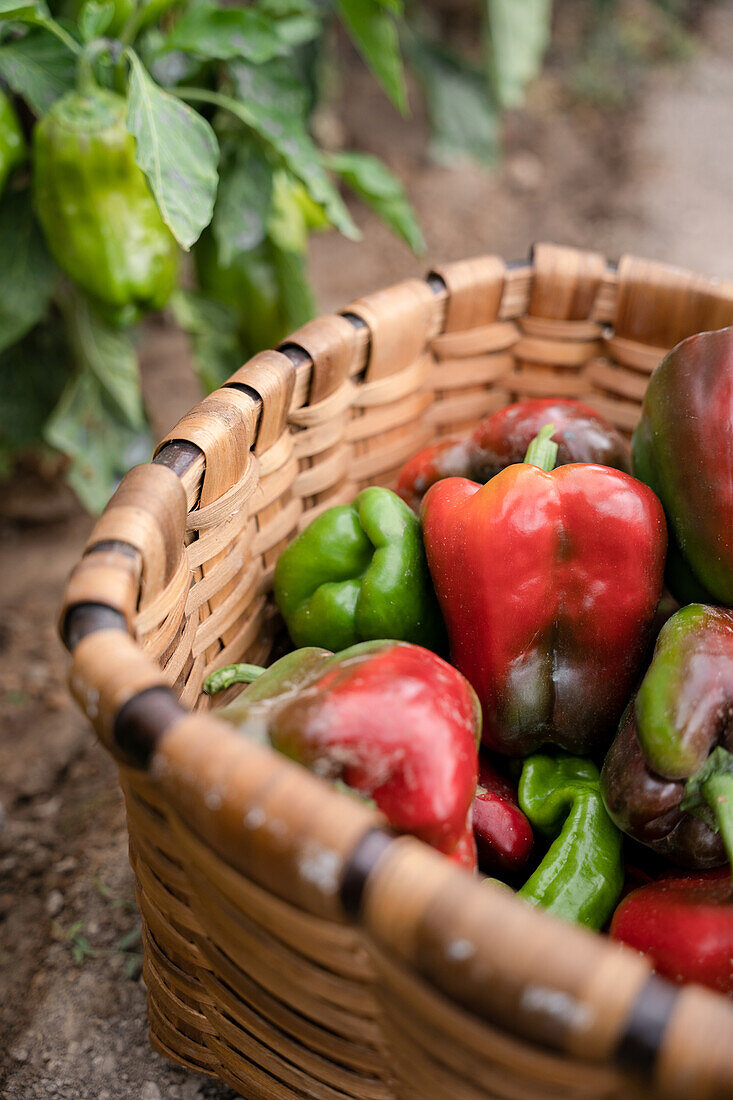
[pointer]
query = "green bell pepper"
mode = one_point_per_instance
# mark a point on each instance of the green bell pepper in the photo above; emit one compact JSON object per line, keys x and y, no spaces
{"x":13,"y":149}
{"x":359,"y":572}
{"x":100,"y":220}
{"x":581,"y":876}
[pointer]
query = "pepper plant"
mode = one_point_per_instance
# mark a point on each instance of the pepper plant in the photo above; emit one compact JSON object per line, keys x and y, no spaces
{"x":131,"y":134}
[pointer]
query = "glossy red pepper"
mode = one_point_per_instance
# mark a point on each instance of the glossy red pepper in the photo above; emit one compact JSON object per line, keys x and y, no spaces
{"x":501,"y":439}
{"x":682,"y":450}
{"x":685,"y":923}
{"x":503,"y":833}
{"x":391,"y":720}
{"x":548,"y":583}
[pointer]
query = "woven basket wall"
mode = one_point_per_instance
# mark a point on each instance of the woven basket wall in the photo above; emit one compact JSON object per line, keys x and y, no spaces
{"x":293,"y":947}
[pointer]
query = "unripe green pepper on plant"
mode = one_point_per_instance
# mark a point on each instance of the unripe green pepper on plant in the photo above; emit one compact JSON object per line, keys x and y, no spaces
{"x":254,"y":282}
{"x":359,"y":572}
{"x":100,"y":220}
{"x":249,"y":286}
{"x":13,"y":149}
{"x":582,"y":874}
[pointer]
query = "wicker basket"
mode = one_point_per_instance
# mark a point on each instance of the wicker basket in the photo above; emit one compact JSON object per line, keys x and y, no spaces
{"x":293,"y":946}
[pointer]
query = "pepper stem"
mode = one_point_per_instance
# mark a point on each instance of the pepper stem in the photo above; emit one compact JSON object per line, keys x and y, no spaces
{"x":542,"y":451}
{"x":711,"y":789}
{"x":231,"y":674}
{"x":86,"y":80}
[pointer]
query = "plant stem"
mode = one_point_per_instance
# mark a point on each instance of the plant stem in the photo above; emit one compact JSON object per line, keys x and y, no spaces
{"x":51,"y":25}
{"x":542,"y":451}
{"x":202,"y":94}
{"x":130,"y":31}
{"x":86,"y":80}
{"x":231,"y":674}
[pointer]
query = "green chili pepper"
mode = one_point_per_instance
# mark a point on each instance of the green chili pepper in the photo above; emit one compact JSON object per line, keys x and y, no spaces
{"x":581,"y":876}
{"x":100,"y":220}
{"x":359,"y":572}
{"x":12,"y":143}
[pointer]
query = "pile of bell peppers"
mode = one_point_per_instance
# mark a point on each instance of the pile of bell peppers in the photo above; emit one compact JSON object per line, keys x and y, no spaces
{"x":492,"y":657}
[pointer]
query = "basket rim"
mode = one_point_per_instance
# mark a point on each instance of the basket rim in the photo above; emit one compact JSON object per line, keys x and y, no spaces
{"x":143,"y":716}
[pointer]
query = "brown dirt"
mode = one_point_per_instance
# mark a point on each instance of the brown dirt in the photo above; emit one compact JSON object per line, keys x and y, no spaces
{"x":655,"y":182}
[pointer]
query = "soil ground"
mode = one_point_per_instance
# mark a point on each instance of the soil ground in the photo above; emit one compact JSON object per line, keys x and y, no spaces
{"x":655,"y":181}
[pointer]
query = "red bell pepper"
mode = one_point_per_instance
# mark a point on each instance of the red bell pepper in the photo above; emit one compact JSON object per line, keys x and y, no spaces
{"x":501,"y":439}
{"x":685,"y":924}
{"x":391,"y":720}
{"x":503,"y":833}
{"x":464,"y":853}
{"x":682,"y":450}
{"x":548,"y":583}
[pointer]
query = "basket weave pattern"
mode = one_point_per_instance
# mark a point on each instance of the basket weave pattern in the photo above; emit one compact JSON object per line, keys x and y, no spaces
{"x":292,"y":947}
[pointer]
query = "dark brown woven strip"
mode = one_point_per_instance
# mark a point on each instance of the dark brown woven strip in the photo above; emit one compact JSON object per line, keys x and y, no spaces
{"x":297,"y":355}
{"x":116,"y":545}
{"x":86,"y":618}
{"x":354,"y":320}
{"x":243,"y":388}
{"x":361,"y":863}
{"x":142,"y":721}
{"x":178,"y":455}
{"x":436,"y":282}
{"x":644,"y":1032}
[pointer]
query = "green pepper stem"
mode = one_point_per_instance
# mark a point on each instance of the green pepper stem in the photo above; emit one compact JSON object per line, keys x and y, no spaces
{"x":717,"y":791}
{"x":231,"y":674}
{"x":711,"y":789}
{"x":86,"y":80}
{"x":542,"y":451}
{"x":131,"y":29}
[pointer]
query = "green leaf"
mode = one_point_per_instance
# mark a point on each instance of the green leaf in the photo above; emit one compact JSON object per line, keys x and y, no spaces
{"x":208,"y":30}
{"x":243,"y":199}
{"x":20,"y":10}
{"x":101,"y":445}
{"x":271,"y":100}
{"x":299,"y":304}
{"x":107,"y":352}
{"x":133,"y":964}
{"x":517,"y":36}
{"x":130,"y":939}
{"x":212,"y":327}
{"x":374,"y":183}
{"x":178,"y":152}
{"x":95,"y":18}
{"x":286,"y":225}
{"x":39,"y":68}
{"x":99,"y":422}
{"x":33,"y":373}
{"x":372,"y":27}
{"x":462,"y":116}
{"x":27,"y":274}
{"x":298,"y":21}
